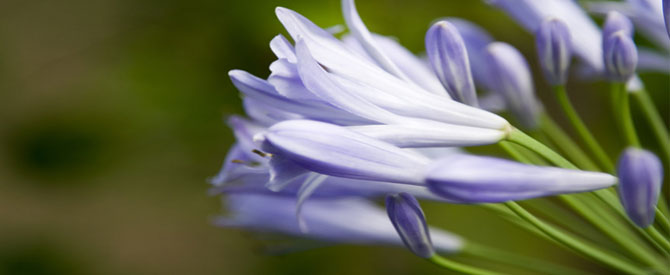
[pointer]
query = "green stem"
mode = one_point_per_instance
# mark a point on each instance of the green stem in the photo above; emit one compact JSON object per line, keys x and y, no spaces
{"x":655,"y":120}
{"x":458,"y":267}
{"x":519,"y":137}
{"x":622,"y":112}
{"x":658,"y":237}
{"x":528,"y":263}
{"x":552,"y":130}
{"x":507,"y":147}
{"x":582,"y":130}
{"x":580,"y":246}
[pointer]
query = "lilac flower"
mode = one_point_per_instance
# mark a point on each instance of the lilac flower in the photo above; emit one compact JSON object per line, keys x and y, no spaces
{"x":510,"y":77}
{"x":449,"y":59}
{"x":410,"y":223}
{"x":640,"y":179}
{"x":474,"y":179}
{"x":554,"y":50}
{"x":620,"y":56}
{"x":353,"y":221}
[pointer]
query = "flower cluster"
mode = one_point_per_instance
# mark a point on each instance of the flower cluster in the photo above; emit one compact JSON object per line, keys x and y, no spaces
{"x":340,"y":121}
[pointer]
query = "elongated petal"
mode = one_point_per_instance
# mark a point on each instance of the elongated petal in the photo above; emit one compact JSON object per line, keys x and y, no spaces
{"x":317,"y":80}
{"x":640,"y":180}
{"x":266,"y":114}
{"x":260,"y":89}
{"x":353,"y":221}
{"x":553,"y":43}
{"x":426,"y":134}
{"x":410,"y":223}
{"x":620,"y":56}
{"x":476,"y":39}
{"x":474,"y":179}
{"x":361,"y":32}
{"x":666,"y":16}
{"x":333,"y":150}
{"x":286,"y":80}
{"x":510,"y":77}
{"x":449,"y":59}
{"x":282,"y":48}
{"x":414,"y":68}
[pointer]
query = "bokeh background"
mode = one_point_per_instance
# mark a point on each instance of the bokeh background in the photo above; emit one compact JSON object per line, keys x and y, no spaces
{"x":111,"y":120}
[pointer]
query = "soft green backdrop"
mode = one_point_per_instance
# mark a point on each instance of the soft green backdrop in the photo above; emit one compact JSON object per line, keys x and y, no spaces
{"x":111,"y":122}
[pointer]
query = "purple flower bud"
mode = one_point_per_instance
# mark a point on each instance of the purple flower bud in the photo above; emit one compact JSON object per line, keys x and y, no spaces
{"x":666,"y":15}
{"x":616,"y":22}
{"x":476,"y":179}
{"x":410,"y":223}
{"x":620,"y":56}
{"x":510,"y":77}
{"x":449,"y":59}
{"x":554,"y":50}
{"x":640,"y":178}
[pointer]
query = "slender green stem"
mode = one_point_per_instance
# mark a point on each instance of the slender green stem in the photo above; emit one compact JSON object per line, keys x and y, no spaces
{"x":528,"y":263}
{"x":582,"y":130}
{"x":655,"y":120}
{"x":578,"y":245}
{"x":507,"y":147}
{"x":658,"y":237}
{"x":551,"y":129}
{"x":662,"y":220}
{"x":623,"y":114}
{"x":459,"y":267}
{"x":519,"y":137}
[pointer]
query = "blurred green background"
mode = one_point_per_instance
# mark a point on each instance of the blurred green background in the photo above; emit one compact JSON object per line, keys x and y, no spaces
{"x":111,"y":122}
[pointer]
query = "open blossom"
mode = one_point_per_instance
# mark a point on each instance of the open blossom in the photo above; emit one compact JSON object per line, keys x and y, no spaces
{"x":340,"y":122}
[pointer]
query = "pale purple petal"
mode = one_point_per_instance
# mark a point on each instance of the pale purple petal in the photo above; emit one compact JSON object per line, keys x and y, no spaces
{"x":475,"y":179}
{"x":449,"y":59}
{"x":431,"y":134}
{"x":352,"y":221}
{"x":333,"y":150}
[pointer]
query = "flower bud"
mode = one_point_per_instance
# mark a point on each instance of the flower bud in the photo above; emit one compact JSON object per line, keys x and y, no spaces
{"x":449,"y":60}
{"x":408,"y":219}
{"x":615,"y":22}
{"x":510,"y":77}
{"x":554,"y":50}
{"x":640,"y":178}
{"x":666,"y":15}
{"x":620,"y":56}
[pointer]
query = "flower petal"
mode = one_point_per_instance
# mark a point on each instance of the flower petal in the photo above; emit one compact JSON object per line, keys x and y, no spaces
{"x":475,"y":179}
{"x":333,"y":150}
